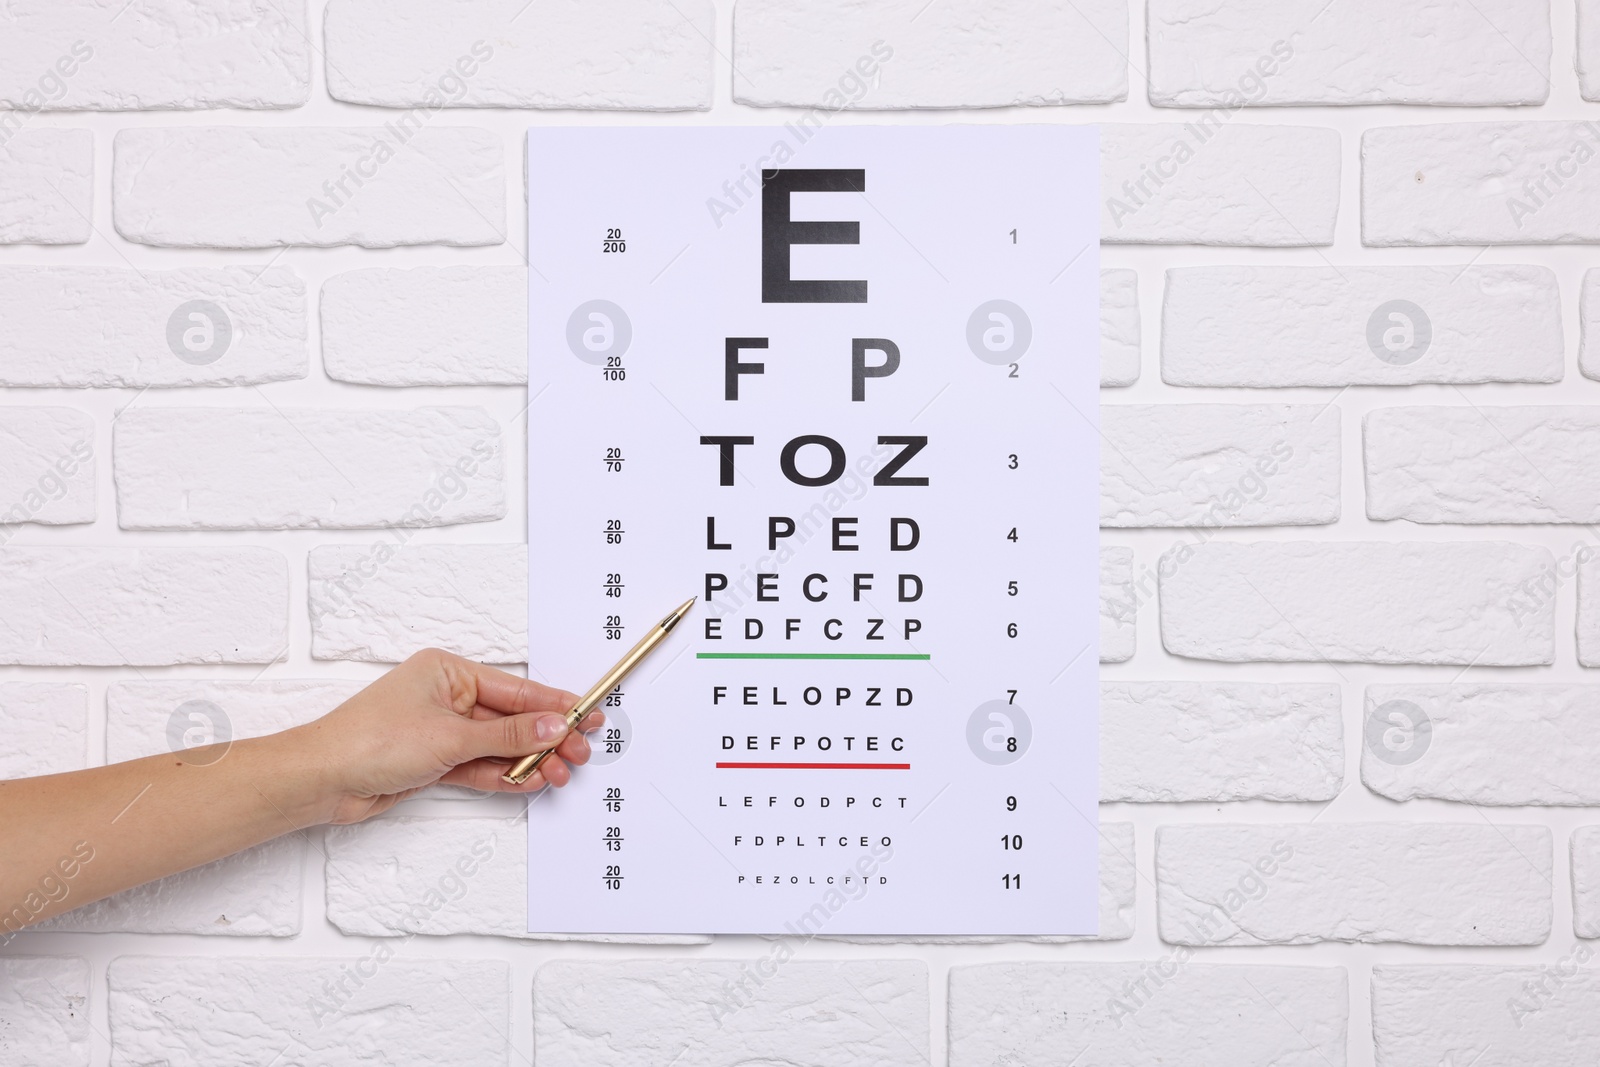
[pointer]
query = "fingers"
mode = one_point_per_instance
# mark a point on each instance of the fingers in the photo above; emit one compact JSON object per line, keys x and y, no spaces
{"x":506,"y":693}
{"x":485,"y":773}
{"x":510,"y":735}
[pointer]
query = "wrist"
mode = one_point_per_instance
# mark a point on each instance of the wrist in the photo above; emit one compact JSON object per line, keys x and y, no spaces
{"x":292,"y":772}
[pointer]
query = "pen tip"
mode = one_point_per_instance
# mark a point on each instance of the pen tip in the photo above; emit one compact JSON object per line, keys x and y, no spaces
{"x":677,"y":613}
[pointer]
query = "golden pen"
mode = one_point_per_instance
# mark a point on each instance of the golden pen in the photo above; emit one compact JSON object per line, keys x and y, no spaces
{"x":525,"y":767}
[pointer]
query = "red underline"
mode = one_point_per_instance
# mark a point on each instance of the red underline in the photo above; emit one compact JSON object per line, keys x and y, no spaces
{"x":818,"y":766}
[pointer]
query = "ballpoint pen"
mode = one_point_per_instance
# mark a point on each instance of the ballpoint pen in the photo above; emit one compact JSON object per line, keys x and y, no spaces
{"x":525,"y":767}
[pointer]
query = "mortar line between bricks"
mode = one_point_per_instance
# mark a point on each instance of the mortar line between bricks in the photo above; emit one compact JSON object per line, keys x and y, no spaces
{"x":732,"y":66}
{"x":509,"y":637}
{"x":255,"y":280}
{"x":505,"y":1038}
{"x":1133,"y":861}
{"x":1470,"y":262}
{"x":1275,"y":1010}
{"x":1114,"y":47}
{"x":1289,"y":223}
{"x":93,"y":228}
{"x":88,"y":1016}
{"x":1548,"y":878}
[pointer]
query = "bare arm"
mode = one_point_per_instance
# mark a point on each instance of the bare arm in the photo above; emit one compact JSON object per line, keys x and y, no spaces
{"x":69,"y":839}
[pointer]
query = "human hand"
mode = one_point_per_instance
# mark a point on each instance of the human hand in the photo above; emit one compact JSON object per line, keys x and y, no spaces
{"x":440,"y":718}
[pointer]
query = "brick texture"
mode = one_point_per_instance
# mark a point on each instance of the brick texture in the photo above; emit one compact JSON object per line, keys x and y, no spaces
{"x":264,"y":288}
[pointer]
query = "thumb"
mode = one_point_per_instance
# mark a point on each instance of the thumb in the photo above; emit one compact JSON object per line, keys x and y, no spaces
{"x":512,"y":735}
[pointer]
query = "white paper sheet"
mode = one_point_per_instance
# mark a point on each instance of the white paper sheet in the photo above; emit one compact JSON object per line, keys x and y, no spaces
{"x":947,"y":785}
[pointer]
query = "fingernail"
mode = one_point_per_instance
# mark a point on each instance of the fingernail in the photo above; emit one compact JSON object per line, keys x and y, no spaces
{"x":550,"y":727}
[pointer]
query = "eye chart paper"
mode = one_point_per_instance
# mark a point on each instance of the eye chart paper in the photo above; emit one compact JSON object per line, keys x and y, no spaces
{"x":841,"y":384}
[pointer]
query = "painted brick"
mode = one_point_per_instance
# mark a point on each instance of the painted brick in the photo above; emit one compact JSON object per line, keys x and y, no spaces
{"x":1586,"y":881}
{"x":1292,"y":884}
{"x":1481,"y":464}
{"x":1165,"y":742}
{"x":427,"y":326}
{"x":46,"y":726}
{"x":1118,"y":609}
{"x":1118,"y":875}
{"x":643,"y":55}
{"x":845,"y":1013}
{"x":1589,"y":324}
{"x":1156,"y":1011}
{"x":254,"y":893}
{"x":1360,"y":602}
{"x":167,"y":1009}
{"x":1483,"y":183}
{"x":1589,"y":49}
{"x":1265,"y":327}
{"x":258,"y":187}
{"x":1271,"y":53}
{"x":400,"y":876}
{"x":1540,"y":590}
{"x":47,"y":176}
{"x":1500,"y":1016}
{"x":1230,"y":183}
{"x":831,"y":54}
{"x":48,"y":475}
{"x":1494,"y":744}
{"x":295,"y":468}
{"x":73,"y":55}
{"x":115,"y":326}
{"x":471,"y":599}
{"x":112,"y":607}
{"x":1219,"y":465}
{"x":44,"y":1002}
{"x":1119,"y":327}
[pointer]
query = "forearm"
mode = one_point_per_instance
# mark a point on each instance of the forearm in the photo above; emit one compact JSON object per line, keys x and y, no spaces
{"x":69,"y":839}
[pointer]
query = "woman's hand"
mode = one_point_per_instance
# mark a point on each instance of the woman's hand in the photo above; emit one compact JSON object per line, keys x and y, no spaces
{"x":439,"y":718}
{"x":434,"y":718}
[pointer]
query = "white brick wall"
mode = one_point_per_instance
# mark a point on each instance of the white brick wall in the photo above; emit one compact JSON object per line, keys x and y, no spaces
{"x":197,"y":326}
{"x":1350,"y":583}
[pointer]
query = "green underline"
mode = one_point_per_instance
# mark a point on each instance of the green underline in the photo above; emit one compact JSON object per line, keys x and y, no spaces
{"x":812,"y":655}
